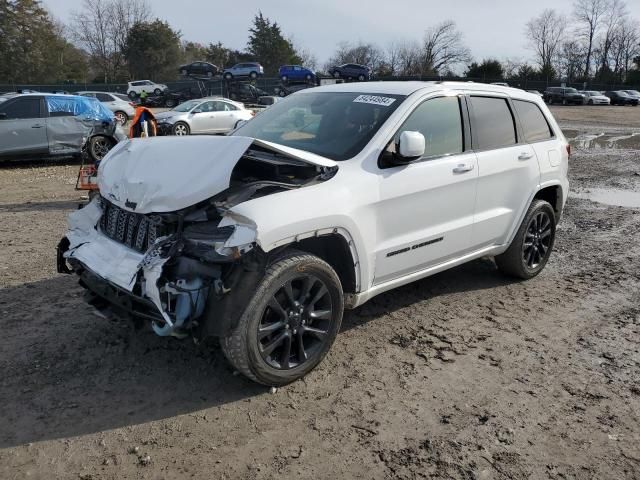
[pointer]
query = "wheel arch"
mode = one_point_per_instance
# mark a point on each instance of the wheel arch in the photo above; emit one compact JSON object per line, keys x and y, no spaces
{"x":554,"y":195}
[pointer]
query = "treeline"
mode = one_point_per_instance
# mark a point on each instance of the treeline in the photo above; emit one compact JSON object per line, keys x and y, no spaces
{"x":113,"y":41}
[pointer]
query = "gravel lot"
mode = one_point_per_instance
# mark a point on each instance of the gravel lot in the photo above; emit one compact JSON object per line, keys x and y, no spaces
{"x":464,"y":375}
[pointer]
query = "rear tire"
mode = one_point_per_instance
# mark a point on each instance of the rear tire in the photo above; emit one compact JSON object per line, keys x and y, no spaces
{"x":132,"y":95}
{"x":157,"y":91}
{"x":228,"y":76}
{"x":170,"y":103}
{"x":290,"y":322}
{"x":361,"y":78}
{"x":284,"y":78}
{"x":533,"y":243}
{"x":121,"y":117}
{"x":99,"y":146}
{"x":253,"y":75}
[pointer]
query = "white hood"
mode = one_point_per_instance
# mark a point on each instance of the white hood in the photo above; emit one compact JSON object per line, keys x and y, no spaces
{"x":164,"y":174}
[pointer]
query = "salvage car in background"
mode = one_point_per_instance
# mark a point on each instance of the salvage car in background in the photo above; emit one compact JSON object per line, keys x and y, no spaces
{"x":243,"y":70}
{"x":202,"y":116}
{"x":632,"y":93}
{"x":593,"y":97}
{"x":323,"y":201}
{"x":618,"y":97}
{"x":134,"y":89}
{"x":200,"y":69}
{"x":121,"y":106}
{"x":296,"y":73}
{"x":351,"y":70}
{"x":50,"y":125}
{"x":563,"y":95}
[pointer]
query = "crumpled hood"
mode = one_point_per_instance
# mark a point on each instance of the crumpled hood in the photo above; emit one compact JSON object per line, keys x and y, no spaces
{"x":165,"y":174}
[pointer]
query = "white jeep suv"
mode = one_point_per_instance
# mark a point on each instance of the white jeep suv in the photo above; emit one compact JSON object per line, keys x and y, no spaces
{"x":321,"y":202}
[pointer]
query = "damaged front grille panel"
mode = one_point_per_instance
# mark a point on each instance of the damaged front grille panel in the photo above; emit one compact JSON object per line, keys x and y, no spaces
{"x":134,"y":230}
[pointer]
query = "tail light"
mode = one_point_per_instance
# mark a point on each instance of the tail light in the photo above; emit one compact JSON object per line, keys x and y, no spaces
{"x":568,"y":149}
{"x":253,"y":113}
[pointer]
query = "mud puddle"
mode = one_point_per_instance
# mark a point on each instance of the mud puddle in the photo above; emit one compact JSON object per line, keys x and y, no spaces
{"x":602,"y":140}
{"x":610,"y":196}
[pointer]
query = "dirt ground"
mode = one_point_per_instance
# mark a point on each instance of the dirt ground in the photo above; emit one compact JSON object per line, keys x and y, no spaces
{"x":464,"y":375}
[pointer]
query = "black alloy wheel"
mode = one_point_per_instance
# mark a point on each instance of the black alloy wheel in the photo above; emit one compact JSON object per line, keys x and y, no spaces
{"x":289,"y":323}
{"x":296,"y":323}
{"x":537,"y":240}
{"x":532,"y":244}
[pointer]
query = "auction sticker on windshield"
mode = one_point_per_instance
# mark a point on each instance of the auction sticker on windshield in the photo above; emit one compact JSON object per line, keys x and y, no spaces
{"x":375,"y":100}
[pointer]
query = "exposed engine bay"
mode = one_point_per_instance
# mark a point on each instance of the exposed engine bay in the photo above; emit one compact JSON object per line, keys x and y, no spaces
{"x":178,"y":268}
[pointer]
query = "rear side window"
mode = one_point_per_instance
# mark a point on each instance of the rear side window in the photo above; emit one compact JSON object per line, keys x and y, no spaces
{"x":22,"y":108}
{"x":440,"y":121}
{"x":103,"y":97}
{"x":534,"y":124}
{"x":493,"y":122}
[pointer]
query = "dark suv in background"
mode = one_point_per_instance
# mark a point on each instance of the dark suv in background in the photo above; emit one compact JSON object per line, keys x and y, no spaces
{"x":619,"y":97}
{"x":351,"y":70}
{"x":563,"y":95}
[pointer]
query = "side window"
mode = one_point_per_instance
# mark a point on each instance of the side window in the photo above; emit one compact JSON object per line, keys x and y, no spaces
{"x":22,"y":108}
{"x":440,"y":121}
{"x":534,"y":124}
{"x":103,"y":97}
{"x":493,"y":122}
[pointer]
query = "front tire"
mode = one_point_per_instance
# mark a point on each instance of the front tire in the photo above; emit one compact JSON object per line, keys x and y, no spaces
{"x":181,"y":129}
{"x":531,"y":247}
{"x":132,"y":95}
{"x":253,"y":75}
{"x":290,"y":323}
{"x":157,"y":91}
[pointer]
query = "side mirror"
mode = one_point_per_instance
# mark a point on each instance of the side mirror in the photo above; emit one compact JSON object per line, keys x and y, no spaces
{"x":410,"y":146}
{"x":197,"y":110}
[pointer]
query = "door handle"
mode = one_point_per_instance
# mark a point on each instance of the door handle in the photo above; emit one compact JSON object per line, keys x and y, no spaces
{"x":525,"y":156}
{"x":37,"y":125}
{"x":463,"y":167}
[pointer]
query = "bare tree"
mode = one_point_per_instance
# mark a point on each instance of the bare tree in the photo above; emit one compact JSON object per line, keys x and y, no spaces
{"x":626,"y":47}
{"x":362,"y":53}
{"x":409,"y":59}
{"x":571,"y":59}
{"x":545,"y":34}
{"x":616,"y":15}
{"x":102,"y":26}
{"x":393,"y":57}
{"x":588,"y":15}
{"x":443,"y":48}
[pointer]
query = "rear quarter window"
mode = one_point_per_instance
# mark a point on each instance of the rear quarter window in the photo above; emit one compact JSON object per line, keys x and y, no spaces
{"x":534,"y":124}
{"x":493,"y":123}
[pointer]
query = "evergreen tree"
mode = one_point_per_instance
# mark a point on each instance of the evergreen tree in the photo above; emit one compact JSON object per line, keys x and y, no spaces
{"x":269,"y":46}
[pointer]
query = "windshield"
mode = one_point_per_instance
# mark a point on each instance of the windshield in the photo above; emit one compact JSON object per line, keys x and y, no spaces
{"x":621,"y":94}
{"x":334,"y":125}
{"x":633,"y":92}
{"x":592,"y":93}
{"x":186,"y":106}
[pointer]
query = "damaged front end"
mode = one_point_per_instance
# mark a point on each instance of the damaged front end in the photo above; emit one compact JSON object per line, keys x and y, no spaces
{"x":188,"y":271}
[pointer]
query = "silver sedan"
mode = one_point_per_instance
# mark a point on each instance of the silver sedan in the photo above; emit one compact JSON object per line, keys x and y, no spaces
{"x":203,"y":116}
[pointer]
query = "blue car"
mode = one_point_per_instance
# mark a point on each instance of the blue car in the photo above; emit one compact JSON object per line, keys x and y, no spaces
{"x":296,"y":73}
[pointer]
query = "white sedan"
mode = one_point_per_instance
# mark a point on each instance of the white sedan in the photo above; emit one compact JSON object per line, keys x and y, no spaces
{"x":595,"y":98}
{"x":203,"y":116}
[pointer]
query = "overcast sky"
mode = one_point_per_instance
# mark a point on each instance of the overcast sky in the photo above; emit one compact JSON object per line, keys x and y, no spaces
{"x":491,"y":28}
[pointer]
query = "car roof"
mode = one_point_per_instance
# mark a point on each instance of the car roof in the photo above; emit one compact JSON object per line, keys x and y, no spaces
{"x":407,"y":88}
